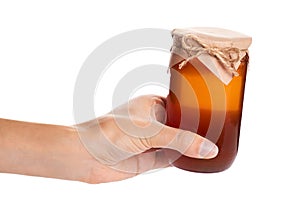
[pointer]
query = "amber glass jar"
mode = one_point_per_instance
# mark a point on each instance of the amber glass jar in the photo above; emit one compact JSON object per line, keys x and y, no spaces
{"x":208,"y":69}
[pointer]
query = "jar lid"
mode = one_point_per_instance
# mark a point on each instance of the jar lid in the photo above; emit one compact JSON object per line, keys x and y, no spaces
{"x":217,"y":37}
{"x":220,"y":50}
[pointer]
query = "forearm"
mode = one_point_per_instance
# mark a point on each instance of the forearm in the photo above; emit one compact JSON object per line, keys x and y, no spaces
{"x":40,"y":150}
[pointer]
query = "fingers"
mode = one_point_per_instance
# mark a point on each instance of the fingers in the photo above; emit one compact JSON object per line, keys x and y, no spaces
{"x":185,"y":142}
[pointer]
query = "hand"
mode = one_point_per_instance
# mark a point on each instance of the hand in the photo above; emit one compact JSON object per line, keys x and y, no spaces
{"x":121,"y":144}
{"x":120,"y":140}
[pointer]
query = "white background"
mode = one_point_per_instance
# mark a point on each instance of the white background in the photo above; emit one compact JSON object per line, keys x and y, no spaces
{"x":43,"y":45}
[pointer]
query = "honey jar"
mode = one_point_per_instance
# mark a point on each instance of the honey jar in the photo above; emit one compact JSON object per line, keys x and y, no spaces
{"x":208,"y":69}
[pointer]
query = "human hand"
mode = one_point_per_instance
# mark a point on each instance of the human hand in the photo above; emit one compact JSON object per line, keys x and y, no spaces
{"x":130,"y":140}
{"x":121,"y":141}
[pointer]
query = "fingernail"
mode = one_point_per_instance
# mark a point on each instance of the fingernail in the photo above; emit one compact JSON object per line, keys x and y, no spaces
{"x":208,"y":150}
{"x":159,"y":113}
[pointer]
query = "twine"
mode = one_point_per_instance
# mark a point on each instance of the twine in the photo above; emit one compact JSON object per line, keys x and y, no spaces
{"x":226,"y":56}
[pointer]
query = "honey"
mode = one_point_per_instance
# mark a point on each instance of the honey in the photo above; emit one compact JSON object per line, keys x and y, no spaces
{"x":200,"y":101}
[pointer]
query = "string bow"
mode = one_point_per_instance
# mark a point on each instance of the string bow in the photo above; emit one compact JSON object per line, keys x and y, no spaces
{"x":226,"y":56}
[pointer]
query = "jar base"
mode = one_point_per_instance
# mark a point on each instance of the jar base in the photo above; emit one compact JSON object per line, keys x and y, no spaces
{"x":211,"y":170}
{"x":215,"y":165}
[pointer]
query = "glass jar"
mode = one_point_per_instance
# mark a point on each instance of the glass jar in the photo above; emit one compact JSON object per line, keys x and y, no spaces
{"x":208,"y":69}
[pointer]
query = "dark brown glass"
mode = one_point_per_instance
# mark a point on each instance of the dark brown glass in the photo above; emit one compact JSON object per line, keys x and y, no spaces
{"x":195,"y":91}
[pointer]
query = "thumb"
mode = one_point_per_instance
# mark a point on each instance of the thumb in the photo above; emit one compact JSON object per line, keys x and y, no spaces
{"x":185,"y":142}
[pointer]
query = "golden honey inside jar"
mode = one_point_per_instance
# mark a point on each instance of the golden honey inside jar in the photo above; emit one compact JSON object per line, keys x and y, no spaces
{"x":208,"y":69}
